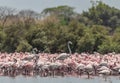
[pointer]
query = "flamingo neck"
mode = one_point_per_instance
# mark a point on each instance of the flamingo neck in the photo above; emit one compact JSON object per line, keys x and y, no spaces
{"x":69,"y":48}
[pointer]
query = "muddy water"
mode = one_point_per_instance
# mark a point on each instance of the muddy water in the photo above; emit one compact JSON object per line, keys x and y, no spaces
{"x":23,"y":79}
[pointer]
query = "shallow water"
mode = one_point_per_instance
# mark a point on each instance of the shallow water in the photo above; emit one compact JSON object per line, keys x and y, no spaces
{"x":23,"y":79}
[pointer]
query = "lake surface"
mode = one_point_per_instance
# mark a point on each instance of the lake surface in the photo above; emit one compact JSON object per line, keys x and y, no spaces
{"x":37,"y":79}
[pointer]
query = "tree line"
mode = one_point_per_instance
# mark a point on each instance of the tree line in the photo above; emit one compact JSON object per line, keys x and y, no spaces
{"x":95,"y":30}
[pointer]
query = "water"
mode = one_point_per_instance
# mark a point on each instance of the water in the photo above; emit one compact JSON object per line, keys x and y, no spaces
{"x":22,"y":79}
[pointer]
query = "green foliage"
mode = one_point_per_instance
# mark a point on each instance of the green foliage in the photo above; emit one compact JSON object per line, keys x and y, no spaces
{"x":103,"y":14}
{"x":23,"y":46}
{"x":2,"y":39}
{"x":64,"y":13}
{"x":116,"y":35}
{"x":96,"y":30}
{"x":100,"y":33}
{"x":86,"y":43}
{"x":60,"y":10}
{"x":109,"y":45}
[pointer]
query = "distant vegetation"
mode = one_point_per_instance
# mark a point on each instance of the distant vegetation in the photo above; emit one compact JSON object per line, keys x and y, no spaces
{"x":97,"y":29}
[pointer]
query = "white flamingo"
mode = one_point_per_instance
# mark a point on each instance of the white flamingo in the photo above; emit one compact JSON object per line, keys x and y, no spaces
{"x":116,"y":69}
{"x":105,"y":72}
{"x":63,"y":56}
{"x":80,"y":68}
{"x":103,"y":68}
{"x":88,"y":69}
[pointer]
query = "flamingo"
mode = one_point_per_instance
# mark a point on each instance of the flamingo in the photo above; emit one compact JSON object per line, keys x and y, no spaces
{"x":103,"y":68}
{"x":105,"y":72}
{"x":103,"y":63}
{"x":63,"y":56}
{"x":54,"y":66}
{"x":80,"y":67}
{"x":88,"y":69}
{"x":44,"y":70}
{"x":116,"y":69}
{"x":34,"y":51}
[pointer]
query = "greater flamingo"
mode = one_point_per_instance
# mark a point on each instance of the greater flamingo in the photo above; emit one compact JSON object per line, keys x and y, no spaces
{"x":63,"y":56}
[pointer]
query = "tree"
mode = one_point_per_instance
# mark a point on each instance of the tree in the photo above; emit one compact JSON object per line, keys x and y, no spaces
{"x":86,"y":43}
{"x":43,"y":37}
{"x":64,"y":13}
{"x":28,"y":14}
{"x":2,"y":39}
{"x":99,"y":33}
{"x":23,"y":46}
{"x":109,"y":46}
{"x":5,"y":13}
{"x":103,"y":14}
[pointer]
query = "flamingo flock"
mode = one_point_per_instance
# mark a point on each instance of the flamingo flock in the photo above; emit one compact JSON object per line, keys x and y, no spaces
{"x":45,"y":64}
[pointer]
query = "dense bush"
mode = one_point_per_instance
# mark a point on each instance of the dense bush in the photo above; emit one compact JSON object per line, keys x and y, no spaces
{"x":97,"y":29}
